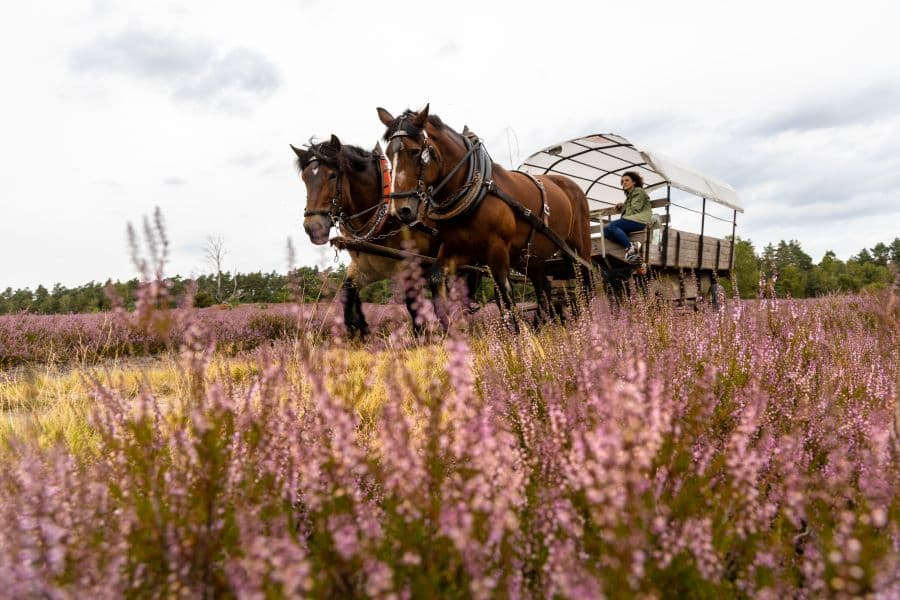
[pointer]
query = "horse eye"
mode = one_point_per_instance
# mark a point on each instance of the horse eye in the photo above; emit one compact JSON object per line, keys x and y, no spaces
{"x":332,"y":175}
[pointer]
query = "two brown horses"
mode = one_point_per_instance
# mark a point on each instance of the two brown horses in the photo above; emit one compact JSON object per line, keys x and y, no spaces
{"x":345,"y":186}
{"x":449,"y":177}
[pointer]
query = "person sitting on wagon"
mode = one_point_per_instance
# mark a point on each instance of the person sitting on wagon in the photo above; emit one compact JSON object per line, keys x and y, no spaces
{"x":636,"y":215}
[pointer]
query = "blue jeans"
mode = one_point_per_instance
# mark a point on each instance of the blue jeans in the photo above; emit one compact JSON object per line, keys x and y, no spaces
{"x":618,"y":231}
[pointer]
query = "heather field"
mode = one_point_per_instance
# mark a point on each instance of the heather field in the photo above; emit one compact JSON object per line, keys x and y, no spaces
{"x":635,"y":452}
{"x":92,"y":338}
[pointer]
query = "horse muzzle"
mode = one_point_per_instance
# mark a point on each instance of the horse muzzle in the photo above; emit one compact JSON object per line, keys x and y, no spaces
{"x":317,"y":228}
{"x":406,"y":214}
{"x":405,"y":208}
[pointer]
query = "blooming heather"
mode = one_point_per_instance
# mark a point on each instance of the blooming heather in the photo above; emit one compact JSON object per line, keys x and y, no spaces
{"x":639,"y":451}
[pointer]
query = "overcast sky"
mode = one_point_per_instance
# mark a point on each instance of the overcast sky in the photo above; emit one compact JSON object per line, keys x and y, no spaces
{"x":112,"y":108}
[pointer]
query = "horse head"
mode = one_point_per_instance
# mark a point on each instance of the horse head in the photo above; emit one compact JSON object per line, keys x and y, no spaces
{"x":321,"y":171}
{"x":415,"y":161}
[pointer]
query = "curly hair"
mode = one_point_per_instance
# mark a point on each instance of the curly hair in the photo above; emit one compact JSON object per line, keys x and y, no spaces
{"x":637,"y":179}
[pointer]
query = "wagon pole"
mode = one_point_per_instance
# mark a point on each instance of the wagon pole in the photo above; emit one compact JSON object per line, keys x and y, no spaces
{"x":343,"y":243}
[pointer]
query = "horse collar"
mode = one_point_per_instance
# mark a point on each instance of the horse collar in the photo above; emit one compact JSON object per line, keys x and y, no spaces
{"x":472,"y":191}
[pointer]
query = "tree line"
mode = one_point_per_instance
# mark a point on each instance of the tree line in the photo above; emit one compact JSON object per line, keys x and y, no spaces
{"x":786,"y":270}
{"x":783,"y":269}
{"x":308,"y":284}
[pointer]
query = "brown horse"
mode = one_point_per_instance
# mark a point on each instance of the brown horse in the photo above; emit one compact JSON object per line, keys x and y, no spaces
{"x":476,"y":223}
{"x":347,"y":186}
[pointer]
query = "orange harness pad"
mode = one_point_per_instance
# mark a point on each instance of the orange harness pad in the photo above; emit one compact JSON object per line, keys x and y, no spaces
{"x":385,"y":178}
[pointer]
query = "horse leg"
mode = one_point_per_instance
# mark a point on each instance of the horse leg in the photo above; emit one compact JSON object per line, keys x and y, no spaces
{"x":538,"y":277}
{"x":354,"y":319}
{"x":617,"y":284}
{"x":473,"y":279}
{"x":412,"y":301}
{"x":504,"y":300}
{"x":418,"y":327}
{"x":584,"y":291}
{"x":437,"y":284}
{"x":498,"y":262}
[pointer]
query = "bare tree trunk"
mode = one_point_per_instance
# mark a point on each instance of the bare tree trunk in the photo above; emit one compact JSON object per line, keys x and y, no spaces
{"x":215,"y":256}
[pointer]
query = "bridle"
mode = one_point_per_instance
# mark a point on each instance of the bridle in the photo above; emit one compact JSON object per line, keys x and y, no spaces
{"x":335,"y":210}
{"x":395,"y":144}
{"x":426,"y":194}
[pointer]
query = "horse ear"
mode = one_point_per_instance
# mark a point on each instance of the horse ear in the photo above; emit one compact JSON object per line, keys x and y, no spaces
{"x":301,"y":154}
{"x":377,"y":149}
{"x":385,"y":116}
{"x":466,"y":130}
{"x":335,"y":142}
{"x":420,"y":119}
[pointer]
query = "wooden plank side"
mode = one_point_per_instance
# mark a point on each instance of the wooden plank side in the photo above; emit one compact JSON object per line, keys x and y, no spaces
{"x":682,"y":250}
{"x":683,"y":247}
{"x":709,"y":253}
{"x":725,"y":258}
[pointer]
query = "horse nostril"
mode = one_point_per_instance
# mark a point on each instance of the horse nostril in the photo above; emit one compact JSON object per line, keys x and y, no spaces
{"x":406,"y":213}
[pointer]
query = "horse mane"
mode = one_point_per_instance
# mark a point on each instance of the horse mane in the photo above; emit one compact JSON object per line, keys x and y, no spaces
{"x":409,"y":127}
{"x":347,"y":157}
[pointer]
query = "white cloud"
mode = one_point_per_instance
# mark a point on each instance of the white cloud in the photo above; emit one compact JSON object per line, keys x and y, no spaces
{"x":193,"y":71}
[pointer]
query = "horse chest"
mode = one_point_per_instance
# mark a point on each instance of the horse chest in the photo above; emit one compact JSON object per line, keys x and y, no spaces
{"x":368,"y":268}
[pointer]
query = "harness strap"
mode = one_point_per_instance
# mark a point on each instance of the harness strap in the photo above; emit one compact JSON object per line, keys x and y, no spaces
{"x":471,"y":149}
{"x":420,"y":226}
{"x":377,"y":221}
{"x":539,"y":224}
{"x":545,"y":209}
{"x":385,"y":177}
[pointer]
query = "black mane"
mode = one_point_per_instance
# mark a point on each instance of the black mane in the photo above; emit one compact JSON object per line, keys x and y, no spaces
{"x":409,"y":127}
{"x":346,"y":158}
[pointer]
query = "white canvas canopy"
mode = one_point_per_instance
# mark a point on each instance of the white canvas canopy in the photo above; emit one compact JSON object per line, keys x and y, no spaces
{"x":596,"y":164}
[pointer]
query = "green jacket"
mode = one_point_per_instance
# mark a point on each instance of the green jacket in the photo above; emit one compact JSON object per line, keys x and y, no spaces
{"x":637,"y":206}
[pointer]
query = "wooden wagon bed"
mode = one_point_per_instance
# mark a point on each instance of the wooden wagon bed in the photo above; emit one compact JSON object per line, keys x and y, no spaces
{"x":684,"y":264}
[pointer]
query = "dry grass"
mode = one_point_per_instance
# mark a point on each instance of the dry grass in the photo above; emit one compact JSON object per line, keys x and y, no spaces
{"x":50,"y":404}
